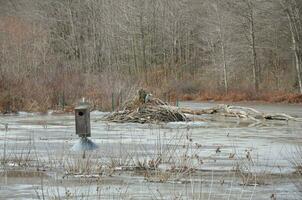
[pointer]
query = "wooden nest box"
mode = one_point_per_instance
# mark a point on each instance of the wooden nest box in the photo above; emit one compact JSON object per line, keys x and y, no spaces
{"x":82,"y":121}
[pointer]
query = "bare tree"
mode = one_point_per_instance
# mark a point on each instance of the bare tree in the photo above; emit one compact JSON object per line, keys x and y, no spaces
{"x":219,"y":46}
{"x":293,"y":13}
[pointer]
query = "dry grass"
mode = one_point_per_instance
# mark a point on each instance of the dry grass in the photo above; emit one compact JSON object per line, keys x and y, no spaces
{"x":173,"y":159}
{"x":296,"y":162}
{"x":179,"y":153}
{"x":74,"y":164}
{"x":283,"y":98}
{"x":246,"y":169}
{"x":269,"y":97}
{"x":60,"y":88}
{"x":18,"y":157}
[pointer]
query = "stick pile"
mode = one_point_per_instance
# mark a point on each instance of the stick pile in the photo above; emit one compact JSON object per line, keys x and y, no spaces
{"x":145,"y":109}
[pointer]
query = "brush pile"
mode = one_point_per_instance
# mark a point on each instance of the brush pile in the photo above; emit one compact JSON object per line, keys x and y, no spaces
{"x":146,"y":109}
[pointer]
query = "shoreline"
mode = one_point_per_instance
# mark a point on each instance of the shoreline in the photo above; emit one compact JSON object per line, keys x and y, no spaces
{"x":236,"y":97}
{"x":69,"y":109}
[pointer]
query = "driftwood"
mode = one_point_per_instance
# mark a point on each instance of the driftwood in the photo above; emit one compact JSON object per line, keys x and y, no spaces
{"x":240,"y":112}
{"x":146,"y":109}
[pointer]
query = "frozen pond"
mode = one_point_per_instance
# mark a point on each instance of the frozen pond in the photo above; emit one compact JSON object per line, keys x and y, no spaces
{"x":211,"y":159}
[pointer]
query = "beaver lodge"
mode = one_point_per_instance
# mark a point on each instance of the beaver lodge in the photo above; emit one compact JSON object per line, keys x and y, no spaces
{"x":144,"y":108}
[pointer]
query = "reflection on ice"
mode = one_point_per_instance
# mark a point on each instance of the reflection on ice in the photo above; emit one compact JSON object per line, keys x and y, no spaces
{"x":84,"y":144}
{"x":183,"y":125}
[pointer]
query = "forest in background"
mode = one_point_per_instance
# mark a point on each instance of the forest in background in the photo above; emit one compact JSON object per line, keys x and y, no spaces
{"x":53,"y":52}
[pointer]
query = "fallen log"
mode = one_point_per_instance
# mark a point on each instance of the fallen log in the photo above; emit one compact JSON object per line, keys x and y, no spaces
{"x":198,"y":112}
{"x":240,"y":112}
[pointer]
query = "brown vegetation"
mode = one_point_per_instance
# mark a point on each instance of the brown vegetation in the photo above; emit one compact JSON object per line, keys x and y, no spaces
{"x":52,"y":53}
{"x":270,"y":97}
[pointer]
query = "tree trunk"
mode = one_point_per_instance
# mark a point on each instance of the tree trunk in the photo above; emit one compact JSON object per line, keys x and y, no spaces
{"x":143,"y":41}
{"x":295,"y":38}
{"x":254,"y":54}
{"x":222,"y":39}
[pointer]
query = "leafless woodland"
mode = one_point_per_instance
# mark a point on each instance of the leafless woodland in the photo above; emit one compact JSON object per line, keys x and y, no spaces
{"x":53,"y":52}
